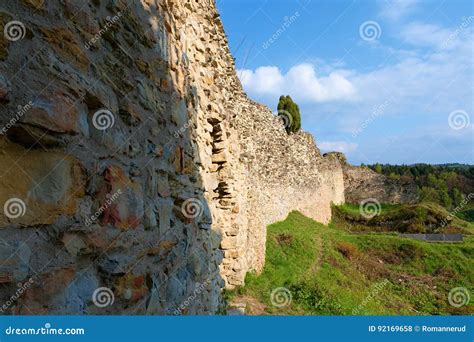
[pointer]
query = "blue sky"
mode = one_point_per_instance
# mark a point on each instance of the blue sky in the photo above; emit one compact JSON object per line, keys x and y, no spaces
{"x":386,"y":81}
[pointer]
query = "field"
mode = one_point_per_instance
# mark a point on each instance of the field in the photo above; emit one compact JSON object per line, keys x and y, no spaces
{"x":313,"y":269}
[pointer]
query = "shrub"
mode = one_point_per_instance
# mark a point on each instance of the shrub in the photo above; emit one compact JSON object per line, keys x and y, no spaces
{"x":409,"y":251}
{"x":347,"y":249}
{"x":290,"y":112}
{"x":284,"y":239}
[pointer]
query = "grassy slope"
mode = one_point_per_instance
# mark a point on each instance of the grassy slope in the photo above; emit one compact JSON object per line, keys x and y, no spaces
{"x":413,"y":218}
{"x":331,"y":271}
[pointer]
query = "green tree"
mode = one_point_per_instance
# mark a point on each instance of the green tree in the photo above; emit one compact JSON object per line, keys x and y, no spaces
{"x":446,"y":201}
{"x":378,"y":168}
{"x":458,"y":197}
{"x":394,"y":176}
{"x":428,"y":194}
{"x":290,"y":112}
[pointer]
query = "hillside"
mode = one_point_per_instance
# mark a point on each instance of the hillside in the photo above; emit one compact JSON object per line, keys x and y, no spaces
{"x":422,"y":217}
{"x":325,"y":270}
{"x":446,"y":184}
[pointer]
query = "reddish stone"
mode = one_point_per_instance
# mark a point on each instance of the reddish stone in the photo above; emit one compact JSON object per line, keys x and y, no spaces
{"x":40,"y":294}
{"x":56,"y":281}
{"x":132,"y":287}
{"x":165,"y":85}
{"x":122,"y":200}
{"x":139,"y":281}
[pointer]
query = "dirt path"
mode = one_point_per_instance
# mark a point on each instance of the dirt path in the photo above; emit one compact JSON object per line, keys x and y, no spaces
{"x":319,"y":256}
{"x":246,"y":305}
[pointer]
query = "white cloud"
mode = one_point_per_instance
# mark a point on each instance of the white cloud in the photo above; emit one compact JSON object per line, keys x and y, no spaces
{"x":424,"y":85}
{"x":396,"y":9}
{"x":431,"y":80}
{"x":338,"y":146}
{"x":301,"y":82}
{"x":418,"y":84}
{"x":425,"y":79}
{"x":265,"y":80}
{"x":426,"y":34}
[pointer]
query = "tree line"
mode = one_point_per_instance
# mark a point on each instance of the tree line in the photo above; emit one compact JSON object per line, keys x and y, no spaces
{"x":446,"y":184}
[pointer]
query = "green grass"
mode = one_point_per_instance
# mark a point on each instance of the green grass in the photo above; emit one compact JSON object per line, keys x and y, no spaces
{"x":330,"y":271}
{"x":423,"y":217}
{"x":354,"y":209}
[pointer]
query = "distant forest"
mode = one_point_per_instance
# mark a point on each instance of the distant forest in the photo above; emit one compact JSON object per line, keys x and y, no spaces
{"x":448,"y":185}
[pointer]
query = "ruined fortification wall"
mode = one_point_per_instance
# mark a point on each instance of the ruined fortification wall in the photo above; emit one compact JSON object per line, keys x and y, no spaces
{"x":284,"y":173}
{"x":253,"y":172}
{"x":132,"y":164}
{"x":362,"y":183}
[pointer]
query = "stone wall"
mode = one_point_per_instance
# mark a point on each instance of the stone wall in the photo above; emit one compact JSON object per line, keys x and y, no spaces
{"x":100,"y":170}
{"x":132,"y":164}
{"x":253,"y":172}
{"x":261,"y":173}
{"x":362,"y":183}
{"x":284,"y":173}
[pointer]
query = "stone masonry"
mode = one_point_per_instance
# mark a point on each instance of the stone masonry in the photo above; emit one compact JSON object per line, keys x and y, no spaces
{"x":136,"y":177}
{"x":362,"y":183}
{"x":103,"y":179}
{"x":253,"y":172}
